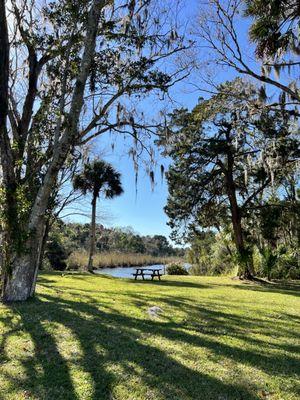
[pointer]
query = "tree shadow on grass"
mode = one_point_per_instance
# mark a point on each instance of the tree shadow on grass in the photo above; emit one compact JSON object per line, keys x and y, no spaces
{"x":180,"y":284}
{"x":213,"y":324}
{"x":283,"y":287}
{"x":47,"y":368}
{"x":292,"y":289}
{"x":111,"y":342}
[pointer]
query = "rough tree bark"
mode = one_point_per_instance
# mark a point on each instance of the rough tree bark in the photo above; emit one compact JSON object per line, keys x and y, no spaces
{"x":245,"y":268}
{"x":7,"y":163}
{"x":19,"y":278}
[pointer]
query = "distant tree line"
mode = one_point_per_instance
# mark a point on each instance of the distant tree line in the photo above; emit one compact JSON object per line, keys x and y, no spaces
{"x":66,"y":238}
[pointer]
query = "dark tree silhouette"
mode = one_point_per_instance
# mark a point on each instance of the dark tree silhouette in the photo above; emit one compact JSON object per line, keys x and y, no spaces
{"x":98,"y":177}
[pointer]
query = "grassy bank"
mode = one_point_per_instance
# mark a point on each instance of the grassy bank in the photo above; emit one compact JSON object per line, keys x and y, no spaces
{"x":79,"y":260}
{"x":91,"y":337}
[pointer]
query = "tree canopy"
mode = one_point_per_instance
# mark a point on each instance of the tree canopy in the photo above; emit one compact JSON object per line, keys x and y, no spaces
{"x":229,"y":154}
{"x":274,"y":31}
{"x":68,"y":74}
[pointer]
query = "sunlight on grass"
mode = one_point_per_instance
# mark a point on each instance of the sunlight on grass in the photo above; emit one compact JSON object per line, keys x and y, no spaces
{"x":91,"y":337}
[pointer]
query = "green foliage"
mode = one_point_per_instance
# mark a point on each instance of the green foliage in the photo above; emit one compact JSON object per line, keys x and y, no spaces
{"x":288,"y":265}
{"x":211,"y":253}
{"x":56,"y":255}
{"x":270,"y":259}
{"x":232,"y":156}
{"x":125,"y":240}
{"x":277,"y":263}
{"x":115,"y":247}
{"x":176,"y":269}
{"x":275,"y":28}
{"x":15,"y":206}
{"x":98,"y":176}
{"x":58,"y":247}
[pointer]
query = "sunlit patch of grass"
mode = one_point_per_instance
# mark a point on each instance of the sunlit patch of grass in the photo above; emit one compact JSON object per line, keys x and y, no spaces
{"x":91,"y":337}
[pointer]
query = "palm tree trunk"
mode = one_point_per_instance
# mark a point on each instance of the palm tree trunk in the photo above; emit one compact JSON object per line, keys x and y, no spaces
{"x":92,"y":235}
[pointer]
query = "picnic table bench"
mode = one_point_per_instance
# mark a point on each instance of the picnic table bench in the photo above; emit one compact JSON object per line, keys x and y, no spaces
{"x":153,"y":272}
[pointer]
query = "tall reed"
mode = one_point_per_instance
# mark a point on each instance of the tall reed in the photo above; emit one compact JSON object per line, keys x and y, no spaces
{"x":79,"y":260}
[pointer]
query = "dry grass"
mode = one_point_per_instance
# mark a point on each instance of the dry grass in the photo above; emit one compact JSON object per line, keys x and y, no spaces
{"x":79,"y":260}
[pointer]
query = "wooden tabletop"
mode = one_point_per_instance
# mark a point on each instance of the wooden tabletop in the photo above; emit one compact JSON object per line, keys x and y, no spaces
{"x":149,"y":269}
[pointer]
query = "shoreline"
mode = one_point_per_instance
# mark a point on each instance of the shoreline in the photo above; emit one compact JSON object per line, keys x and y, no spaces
{"x":130,"y":266}
{"x":79,"y":260}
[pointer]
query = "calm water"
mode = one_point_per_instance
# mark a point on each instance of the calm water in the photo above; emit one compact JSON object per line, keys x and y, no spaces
{"x":124,"y":272}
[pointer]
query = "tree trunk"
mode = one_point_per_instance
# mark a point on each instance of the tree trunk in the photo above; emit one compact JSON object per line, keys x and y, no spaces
{"x":40,"y":250}
{"x":17,"y":283}
{"x":43,"y":244}
{"x":19,"y":268}
{"x":92,"y":235}
{"x":19,"y":272}
{"x":245,"y":267}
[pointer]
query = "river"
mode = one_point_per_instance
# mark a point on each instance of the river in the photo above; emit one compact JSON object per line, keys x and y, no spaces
{"x":126,"y":272}
{"x":123,"y":272}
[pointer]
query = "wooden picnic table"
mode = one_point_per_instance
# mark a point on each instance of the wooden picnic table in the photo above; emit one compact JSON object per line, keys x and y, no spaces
{"x":153,"y":272}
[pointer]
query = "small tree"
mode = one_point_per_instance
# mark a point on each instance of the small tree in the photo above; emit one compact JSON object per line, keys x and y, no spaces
{"x":97,"y":178}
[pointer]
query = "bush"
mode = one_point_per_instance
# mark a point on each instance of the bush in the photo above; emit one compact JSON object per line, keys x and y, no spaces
{"x":56,"y":255}
{"x":287,"y":267}
{"x":281,"y":263}
{"x":176,"y":269}
{"x":212,"y":254}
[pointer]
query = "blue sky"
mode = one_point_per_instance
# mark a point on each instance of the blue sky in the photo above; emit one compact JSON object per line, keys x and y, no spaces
{"x":142,"y":211}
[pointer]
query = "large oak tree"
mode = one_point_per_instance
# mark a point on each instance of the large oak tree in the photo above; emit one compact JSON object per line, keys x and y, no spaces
{"x":68,"y":70}
{"x":228,"y":153}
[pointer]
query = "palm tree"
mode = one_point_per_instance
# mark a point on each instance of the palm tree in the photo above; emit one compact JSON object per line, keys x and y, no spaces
{"x":98,"y":177}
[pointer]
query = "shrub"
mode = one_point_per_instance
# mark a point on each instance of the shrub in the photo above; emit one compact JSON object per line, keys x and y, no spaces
{"x":176,"y":269}
{"x":212,"y":254}
{"x":287,"y":267}
{"x":56,"y":255}
{"x":280,"y":263}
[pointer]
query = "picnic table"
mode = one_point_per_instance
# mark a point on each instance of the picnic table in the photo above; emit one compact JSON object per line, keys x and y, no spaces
{"x":153,"y":272}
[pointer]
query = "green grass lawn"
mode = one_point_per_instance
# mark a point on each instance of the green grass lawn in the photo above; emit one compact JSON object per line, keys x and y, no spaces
{"x":91,"y":337}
